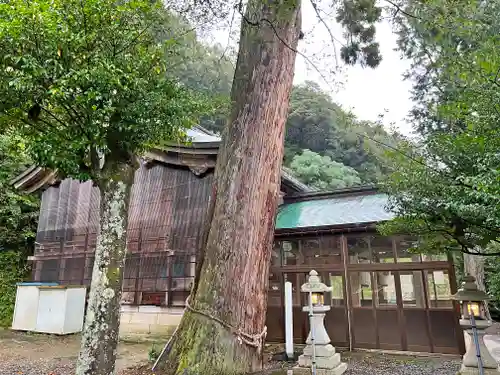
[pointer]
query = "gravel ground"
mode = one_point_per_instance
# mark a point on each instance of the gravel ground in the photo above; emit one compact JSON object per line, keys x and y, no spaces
{"x":363,"y":363}
{"x":48,"y":355}
{"x":40,"y":367}
{"x":375,"y":364}
{"x":31,"y":354}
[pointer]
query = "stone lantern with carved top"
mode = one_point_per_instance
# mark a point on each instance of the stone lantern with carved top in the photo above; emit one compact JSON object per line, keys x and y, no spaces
{"x":319,"y":353}
{"x":474,"y":320}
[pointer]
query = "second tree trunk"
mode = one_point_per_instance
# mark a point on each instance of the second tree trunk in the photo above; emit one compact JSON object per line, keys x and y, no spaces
{"x":100,"y":333}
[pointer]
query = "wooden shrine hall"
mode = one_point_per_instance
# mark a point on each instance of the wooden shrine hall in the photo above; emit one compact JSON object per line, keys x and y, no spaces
{"x":384,"y":296}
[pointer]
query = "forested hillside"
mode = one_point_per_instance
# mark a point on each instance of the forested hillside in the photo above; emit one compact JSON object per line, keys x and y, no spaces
{"x":348,"y":147}
{"x":343,"y":151}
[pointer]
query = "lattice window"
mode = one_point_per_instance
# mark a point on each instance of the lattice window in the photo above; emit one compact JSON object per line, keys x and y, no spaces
{"x":50,"y":270}
{"x":74,"y":271}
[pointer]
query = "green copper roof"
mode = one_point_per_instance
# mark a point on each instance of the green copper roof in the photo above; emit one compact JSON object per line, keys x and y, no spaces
{"x":333,"y":211}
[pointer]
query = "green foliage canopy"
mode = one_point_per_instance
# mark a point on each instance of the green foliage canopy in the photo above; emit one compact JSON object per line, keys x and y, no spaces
{"x":448,"y":191}
{"x":322,"y":172}
{"x":18,"y":221}
{"x":18,"y":212}
{"x":86,"y":81}
{"x":13,"y":269}
{"x":316,"y":123}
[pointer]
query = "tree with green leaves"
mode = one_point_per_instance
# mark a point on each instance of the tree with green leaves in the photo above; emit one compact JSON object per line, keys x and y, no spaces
{"x":84,"y":84}
{"x":18,"y":211}
{"x":322,"y":172}
{"x":93,"y":72}
{"x":18,"y":222}
{"x":446,"y":189}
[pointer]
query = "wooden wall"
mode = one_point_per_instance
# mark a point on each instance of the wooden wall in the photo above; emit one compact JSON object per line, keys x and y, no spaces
{"x":166,"y":216}
{"x":385,"y":296}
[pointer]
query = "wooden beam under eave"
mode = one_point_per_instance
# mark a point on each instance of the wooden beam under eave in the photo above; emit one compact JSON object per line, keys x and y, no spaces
{"x":22,"y":176}
{"x":194,"y":149}
{"x":183,"y":160}
{"x":50,"y":179}
{"x":24,"y":180}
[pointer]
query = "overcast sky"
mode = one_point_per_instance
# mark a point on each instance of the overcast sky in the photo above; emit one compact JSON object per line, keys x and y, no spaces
{"x":369,"y":93}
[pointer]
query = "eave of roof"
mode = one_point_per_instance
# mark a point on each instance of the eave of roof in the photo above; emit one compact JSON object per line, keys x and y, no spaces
{"x":344,"y":192}
{"x":294,"y":183}
{"x":341,"y":228}
{"x":199,"y":155}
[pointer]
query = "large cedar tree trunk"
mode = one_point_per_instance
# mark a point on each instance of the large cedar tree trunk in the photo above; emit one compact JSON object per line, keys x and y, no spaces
{"x":232,"y":275}
{"x":100,"y":333}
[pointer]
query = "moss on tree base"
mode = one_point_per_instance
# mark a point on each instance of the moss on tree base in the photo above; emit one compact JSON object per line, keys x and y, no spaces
{"x":204,"y":346}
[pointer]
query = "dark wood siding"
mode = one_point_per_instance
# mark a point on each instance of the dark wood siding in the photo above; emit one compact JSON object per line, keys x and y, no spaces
{"x":166,"y":216}
{"x":386,"y":296}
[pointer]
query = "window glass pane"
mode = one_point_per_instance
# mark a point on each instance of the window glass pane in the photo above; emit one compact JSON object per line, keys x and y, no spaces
{"x":275,"y":290}
{"x":434,"y":257}
{"x":178,"y":298}
{"x":73,"y":268}
{"x":406,"y":250}
{"x":178,"y":269}
{"x":381,"y":249}
{"x":128,"y":298}
{"x":312,"y":251}
{"x":50,"y":270}
{"x":182,"y":266}
{"x":150,"y":267}
{"x":332,"y":248}
{"x":438,"y":285}
{"x":358,"y":249}
{"x":290,"y":252}
{"x":386,"y":289}
{"x":361,"y":289}
{"x":276,"y":254}
{"x":337,"y":284}
{"x":183,"y":270}
{"x":154,"y":298}
{"x":412,"y":288}
{"x":130,"y":272}
{"x":182,"y":283}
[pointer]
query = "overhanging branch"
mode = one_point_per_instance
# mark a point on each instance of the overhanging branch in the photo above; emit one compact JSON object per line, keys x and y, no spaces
{"x":275,"y":31}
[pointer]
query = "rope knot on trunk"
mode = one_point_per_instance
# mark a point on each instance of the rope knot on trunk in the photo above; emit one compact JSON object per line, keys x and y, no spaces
{"x":256,"y":340}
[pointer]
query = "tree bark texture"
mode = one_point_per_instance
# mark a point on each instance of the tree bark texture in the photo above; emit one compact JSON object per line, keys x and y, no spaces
{"x":474,"y":266}
{"x":100,"y":332}
{"x":232,"y":275}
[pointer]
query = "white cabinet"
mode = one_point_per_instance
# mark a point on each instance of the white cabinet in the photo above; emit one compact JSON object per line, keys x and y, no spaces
{"x":49,"y":308}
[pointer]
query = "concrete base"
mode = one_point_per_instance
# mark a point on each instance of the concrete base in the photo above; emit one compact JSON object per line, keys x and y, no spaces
{"x":327,"y":361}
{"x":321,"y":362}
{"x":321,"y":351}
{"x":148,"y":323}
{"x":470,"y":358}
{"x":321,"y":371}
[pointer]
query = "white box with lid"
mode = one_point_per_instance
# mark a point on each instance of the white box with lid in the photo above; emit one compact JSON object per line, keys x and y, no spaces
{"x":49,"y":308}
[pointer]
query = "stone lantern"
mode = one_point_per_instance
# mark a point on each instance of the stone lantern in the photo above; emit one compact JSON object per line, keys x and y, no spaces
{"x":319,"y":354}
{"x":475,"y":318}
